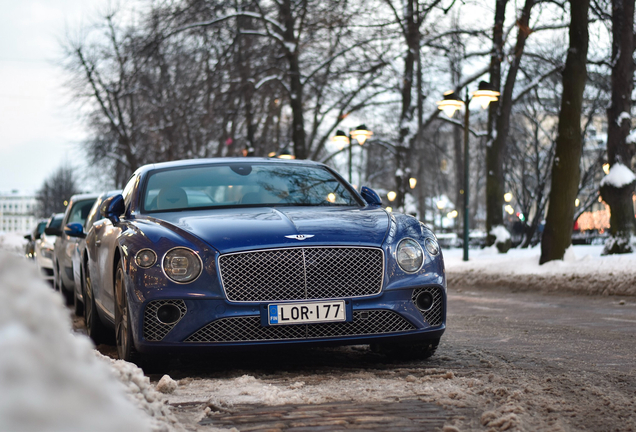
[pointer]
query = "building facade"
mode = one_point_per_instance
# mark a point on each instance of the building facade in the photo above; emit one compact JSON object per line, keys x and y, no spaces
{"x":17,"y":212}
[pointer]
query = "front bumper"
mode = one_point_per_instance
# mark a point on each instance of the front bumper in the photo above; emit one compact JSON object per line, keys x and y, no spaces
{"x":212,"y":324}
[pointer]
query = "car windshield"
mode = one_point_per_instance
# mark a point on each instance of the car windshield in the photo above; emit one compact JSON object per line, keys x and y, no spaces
{"x":244,"y":185}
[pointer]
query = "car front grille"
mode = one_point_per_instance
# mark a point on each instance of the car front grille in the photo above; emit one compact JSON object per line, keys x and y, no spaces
{"x":249,"y":328}
{"x":435,"y":315}
{"x":302,"y":273}
{"x":155,"y":330}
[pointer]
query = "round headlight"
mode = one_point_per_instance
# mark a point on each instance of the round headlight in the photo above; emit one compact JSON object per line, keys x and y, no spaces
{"x":182,"y":265}
{"x":431,"y":246}
{"x":145,"y":258}
{"x":410,"y":255}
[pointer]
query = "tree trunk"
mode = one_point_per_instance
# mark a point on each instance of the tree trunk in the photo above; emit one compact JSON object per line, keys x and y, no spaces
{"x":412,"y":42}
{"x":496,"y":57}
{"x":295,"y":83}
{"x":496,"y":150}
{"x":557,"y":235}
{"x":618,"y":126}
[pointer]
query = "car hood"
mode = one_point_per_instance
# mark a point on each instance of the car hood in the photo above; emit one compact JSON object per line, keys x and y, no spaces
{"x":229,"y":230}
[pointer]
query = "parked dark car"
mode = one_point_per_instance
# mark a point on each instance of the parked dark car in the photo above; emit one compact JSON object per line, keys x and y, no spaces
{"x":78,"y":257}
{"x":225,"y":253}
{"x":33,"y":237}
{"x":77,"y":211}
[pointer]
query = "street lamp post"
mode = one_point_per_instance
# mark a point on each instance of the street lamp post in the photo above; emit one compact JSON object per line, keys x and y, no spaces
{"x":485,"y":94}
{"x":360,"y":134}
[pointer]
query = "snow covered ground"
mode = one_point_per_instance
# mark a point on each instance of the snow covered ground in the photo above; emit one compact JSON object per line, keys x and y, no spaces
{"x":583,"y":270}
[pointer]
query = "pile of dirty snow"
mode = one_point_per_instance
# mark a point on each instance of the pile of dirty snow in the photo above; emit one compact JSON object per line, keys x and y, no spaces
{"x":583,"y":270}
{"x":50,"y":378}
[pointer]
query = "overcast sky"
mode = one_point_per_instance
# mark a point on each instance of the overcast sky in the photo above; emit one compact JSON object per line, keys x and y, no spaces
{"x":39,"y":128}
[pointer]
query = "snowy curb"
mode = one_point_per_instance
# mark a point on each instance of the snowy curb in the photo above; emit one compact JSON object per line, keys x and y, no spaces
{"x":583,"y":271}
{"x":588,"y":284}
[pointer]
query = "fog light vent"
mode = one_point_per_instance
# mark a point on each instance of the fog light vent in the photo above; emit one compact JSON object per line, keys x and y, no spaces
{"x":430,"y":302}
{"x":161,"y":316}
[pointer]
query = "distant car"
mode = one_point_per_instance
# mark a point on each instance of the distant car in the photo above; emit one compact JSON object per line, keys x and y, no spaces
{"x":224,"y":253}
{"x":78,"y":258}
{"x":33,"y":237}
{"x":77,"y":211}
{"x":44,"y":248}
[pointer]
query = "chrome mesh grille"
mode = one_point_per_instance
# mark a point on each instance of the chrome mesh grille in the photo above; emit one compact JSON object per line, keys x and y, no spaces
{"x":302,"y":273}
{"x":155,"y":330}
{"x":435,"y":315}
{"x":248,"y":328}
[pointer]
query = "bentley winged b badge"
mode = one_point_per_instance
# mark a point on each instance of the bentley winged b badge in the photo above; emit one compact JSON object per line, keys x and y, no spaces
{"x":299,"y":236}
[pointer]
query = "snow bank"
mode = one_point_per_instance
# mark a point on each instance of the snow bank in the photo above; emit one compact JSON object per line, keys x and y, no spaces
{"x":618,"y":176}
{"x":583,"y":270}
{"x":12,"y":242}
{"x":501,"y":234}
{"x":50,"y":379}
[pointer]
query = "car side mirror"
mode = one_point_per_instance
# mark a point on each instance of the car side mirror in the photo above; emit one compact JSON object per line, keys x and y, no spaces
{"x":28,"y":237}
{"x":112,"y":208}
{"x":370,"y":196}
{"x":52,"y":231}
{"x":74,"y":229}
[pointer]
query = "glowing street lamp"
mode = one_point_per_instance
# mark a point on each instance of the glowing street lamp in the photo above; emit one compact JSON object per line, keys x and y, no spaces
{"x":485,"y":94}
{"x":391,"y":196}
{"x":412,"y":182}
{"x":341,"y":139}
{"x":508,"y":197}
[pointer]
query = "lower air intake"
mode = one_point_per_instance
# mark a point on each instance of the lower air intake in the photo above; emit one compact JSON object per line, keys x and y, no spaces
{"x":249,"y":328}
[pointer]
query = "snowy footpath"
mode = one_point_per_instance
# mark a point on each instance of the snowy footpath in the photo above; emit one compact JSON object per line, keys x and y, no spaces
{"x":583,"y":271}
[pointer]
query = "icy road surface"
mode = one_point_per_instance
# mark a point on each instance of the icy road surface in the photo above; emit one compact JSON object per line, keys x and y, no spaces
{"x":508,"y":361}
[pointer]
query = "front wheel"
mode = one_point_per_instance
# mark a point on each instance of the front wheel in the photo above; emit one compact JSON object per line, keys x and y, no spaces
{"x":123,"y":329}
{"x":96,"y":330}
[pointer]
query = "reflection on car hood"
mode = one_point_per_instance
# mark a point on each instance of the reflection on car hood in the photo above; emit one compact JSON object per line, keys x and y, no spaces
{"x":235,"y":229}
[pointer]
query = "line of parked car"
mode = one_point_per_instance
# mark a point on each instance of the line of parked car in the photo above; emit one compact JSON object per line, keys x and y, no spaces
{"x":255,"y":253}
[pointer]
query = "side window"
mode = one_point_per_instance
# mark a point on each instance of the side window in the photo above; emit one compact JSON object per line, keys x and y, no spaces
{"x":130,"y":186}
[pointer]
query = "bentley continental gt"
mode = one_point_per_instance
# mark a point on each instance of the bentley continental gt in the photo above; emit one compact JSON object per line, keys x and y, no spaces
{"x":216,"y":254}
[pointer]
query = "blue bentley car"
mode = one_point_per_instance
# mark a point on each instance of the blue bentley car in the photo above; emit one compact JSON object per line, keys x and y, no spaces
{"x":213,"y":254}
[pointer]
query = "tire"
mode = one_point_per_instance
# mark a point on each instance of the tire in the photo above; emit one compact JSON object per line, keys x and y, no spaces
{"x":58,"y":285}
{"x":56,"y":275}
{"x":408,"y":351}
{"x":95,"y":328}
{"x":123,"y":329}
{"x":78,"y":305}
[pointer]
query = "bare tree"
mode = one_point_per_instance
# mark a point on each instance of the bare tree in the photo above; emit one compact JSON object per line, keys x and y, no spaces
{"x":56,"y":191}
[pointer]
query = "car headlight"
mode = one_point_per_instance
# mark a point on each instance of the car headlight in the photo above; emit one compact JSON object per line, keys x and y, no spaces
{"x":182,"y":265}
{"x":432,"y":247}
{"x":47,"y":253}
{"x":146,"y":258}
{"x":409,"y":255}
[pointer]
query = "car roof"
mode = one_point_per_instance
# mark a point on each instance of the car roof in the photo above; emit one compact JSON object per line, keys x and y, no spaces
{"x":81,"y":197}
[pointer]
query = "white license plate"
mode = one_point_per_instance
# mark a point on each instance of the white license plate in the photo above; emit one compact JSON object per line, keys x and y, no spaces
{"x":305,"y":313}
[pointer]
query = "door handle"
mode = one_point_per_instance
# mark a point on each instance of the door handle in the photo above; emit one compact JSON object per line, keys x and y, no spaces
{"x":98,"y":243}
